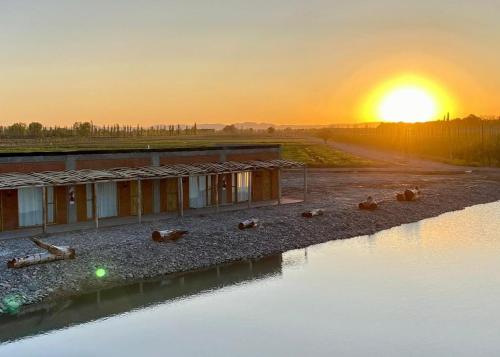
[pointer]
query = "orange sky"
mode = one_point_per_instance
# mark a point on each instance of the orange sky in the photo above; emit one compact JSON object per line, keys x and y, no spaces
{"x":285,"y":62}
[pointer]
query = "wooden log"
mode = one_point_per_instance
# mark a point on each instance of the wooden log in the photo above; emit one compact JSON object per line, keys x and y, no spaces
{"x":55,"y":250}
{"x":400,"y":197}
{"x":412,"y":194}
{"x":313,"y":212}
{"x":369,"y":204}
{"x":249,"y":223}
{"x":167,"y":235}
{"x":409,"y":195}
{"x":38,"y":258}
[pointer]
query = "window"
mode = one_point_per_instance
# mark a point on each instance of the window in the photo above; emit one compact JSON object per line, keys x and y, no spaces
{"x":30,"y":206}
{"x":197,"y":191}
{"x":243,"y":183}
{"x":51,"y":205}
{"x":106,"y":200}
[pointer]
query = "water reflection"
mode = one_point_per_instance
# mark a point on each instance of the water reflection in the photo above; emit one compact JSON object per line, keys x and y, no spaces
{"x":41,"y":318}
{"x":429,"y":288}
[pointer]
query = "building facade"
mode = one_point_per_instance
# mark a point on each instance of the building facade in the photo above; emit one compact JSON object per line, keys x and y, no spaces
{"x":63,"y":188}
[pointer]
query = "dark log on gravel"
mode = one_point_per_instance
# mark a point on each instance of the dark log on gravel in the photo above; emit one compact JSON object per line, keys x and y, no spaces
{"x":412,"y":195}
{"x":249,"y":223}
{"x":369,"y":204}
{"x":313,"y":212}
{"x":409,"y":195}
{"x":40,"y":258}
{"x":168,"y":235}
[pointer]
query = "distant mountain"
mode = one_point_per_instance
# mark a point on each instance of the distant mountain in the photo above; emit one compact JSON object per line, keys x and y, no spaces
{"x":258,"y":126}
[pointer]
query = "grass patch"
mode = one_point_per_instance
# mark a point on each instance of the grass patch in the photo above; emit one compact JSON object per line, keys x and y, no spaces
{"x":293,"y":148}
{"x":105,"y":143}
{"x":317,"y":155}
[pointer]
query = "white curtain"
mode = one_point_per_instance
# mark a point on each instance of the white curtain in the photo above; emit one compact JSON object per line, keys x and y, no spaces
{"x":106,"y":199}
{"x":243,"y":182}
{"x":197,"y":191}
{"x":30,"y":206}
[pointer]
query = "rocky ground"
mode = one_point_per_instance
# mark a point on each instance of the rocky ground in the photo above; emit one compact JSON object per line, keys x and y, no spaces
{"x":128,"y":254}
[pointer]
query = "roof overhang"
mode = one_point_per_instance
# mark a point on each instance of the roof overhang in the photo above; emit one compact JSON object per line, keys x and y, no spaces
{"x":74,"y":177}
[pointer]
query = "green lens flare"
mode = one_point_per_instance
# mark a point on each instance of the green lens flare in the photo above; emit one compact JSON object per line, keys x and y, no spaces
{"x":100,"y":272}
{"x":11,"y":303}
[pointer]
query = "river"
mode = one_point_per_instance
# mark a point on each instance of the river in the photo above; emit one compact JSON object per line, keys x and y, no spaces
{"x":425,"y":288}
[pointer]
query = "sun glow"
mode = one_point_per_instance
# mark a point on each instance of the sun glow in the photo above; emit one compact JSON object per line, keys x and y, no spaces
{"x":407,"y":99}
{"x":408,"y":104}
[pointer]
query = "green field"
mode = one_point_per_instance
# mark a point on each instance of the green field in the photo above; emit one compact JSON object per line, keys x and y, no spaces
{"x":319,"y":155}
{"x":293,"y":148}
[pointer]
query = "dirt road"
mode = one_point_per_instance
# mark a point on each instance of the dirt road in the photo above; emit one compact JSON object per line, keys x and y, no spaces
{"x":399,"y":160}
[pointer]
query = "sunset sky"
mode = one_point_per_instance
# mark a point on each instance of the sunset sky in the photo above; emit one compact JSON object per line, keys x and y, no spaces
{"x":286,"y":62}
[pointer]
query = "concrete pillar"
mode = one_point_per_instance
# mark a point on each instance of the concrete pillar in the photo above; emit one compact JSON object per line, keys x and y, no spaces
{"x":155,"y":159}
{"x":223,"y":155}
{"x":139,"y":200}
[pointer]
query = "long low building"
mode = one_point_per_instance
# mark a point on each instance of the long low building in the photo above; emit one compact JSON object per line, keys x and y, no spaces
{"x":64,"y":188}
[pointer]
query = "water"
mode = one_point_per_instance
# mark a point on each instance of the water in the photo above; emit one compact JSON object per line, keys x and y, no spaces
{"x":427,"y":288}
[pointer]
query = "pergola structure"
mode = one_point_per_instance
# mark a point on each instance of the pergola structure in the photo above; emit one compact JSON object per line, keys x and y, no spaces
{"x":76,"y":177}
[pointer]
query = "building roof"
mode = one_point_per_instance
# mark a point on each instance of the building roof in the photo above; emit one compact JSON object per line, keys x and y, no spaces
{"x":73,"y":177}
{"x":139,"y":150}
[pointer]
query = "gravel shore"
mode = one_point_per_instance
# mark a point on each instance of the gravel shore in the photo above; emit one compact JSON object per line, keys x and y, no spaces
{"x":128,"y":254}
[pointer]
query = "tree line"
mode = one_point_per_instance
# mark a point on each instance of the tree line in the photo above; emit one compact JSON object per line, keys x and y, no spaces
{"x":36,"y":130}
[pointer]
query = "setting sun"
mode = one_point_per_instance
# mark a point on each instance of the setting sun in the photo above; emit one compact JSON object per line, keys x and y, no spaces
{"x":407,"y":98}
{"x":408,"y":104}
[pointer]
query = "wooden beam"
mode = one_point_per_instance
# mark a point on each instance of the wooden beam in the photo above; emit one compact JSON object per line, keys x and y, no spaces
{"x":95,"y":209}
{"x":181,"y":196}
{"x":139,"y":200}
{"x":44,"y":209}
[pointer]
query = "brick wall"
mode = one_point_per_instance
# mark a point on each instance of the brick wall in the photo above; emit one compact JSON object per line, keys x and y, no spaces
{"x":26,"y":167}
{"x":195,"y":159}
{"x":253,"y":156}
{"x":112,"y":163}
